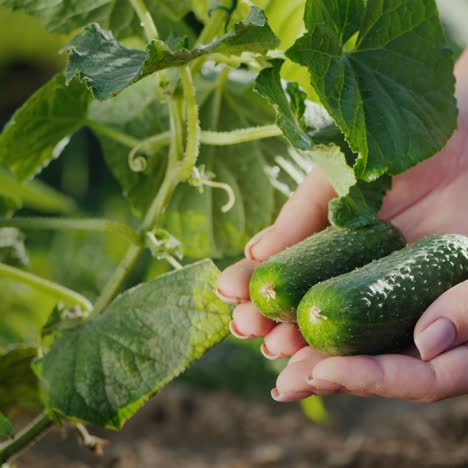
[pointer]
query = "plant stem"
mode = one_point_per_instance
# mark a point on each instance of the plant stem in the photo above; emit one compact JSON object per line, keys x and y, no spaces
{"x":36,"y":194}
{"x":24,"y":438}
{"x":173,"y":262}
{"x":115,"y":135}
{"x":192,"y":149}
{"x":146,"y":19}
{"x":241,"y":135}
{"x":60,"y":292}
{"x":69,"y":224}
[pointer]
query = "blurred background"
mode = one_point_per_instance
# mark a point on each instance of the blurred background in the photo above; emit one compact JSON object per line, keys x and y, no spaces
{"x":219,"y":413}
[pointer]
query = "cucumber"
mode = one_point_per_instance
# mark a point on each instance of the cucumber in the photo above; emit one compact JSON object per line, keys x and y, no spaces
{"x":374,"y":309}
{"x":278,"y":284}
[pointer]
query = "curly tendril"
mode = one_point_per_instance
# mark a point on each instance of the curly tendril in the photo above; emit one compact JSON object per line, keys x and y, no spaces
{"x":136,"y":161}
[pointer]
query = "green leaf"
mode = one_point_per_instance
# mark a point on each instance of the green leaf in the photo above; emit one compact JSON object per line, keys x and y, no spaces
{"x":268,"y":84}
{"x":6,"y":427}
{"x":39,"y":130}
{"x":362,"y":204}
{"x":118,"y":16}
{"x":95,"y":46}
{"x":18,"y":384}
{"x":303,"y":122}
{"x":104,"y":370}
{"x":12,"y":249}
{"x":359,"y":202}
{"x":384,"y":73}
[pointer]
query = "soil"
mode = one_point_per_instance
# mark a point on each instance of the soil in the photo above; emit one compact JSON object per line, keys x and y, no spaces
{"x":185,"y":428}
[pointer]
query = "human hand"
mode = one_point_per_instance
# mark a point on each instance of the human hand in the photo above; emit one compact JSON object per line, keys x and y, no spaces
{"x":429,"y":199}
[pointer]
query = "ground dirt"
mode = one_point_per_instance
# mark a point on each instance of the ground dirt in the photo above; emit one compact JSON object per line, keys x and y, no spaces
{"x":185,"y":428}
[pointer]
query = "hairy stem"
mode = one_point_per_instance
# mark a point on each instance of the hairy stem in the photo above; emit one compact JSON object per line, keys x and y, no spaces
{"x":192,"y":148}
{"x":207,"y":137}
{"x":241,"y":135}
{"x":146,"y":19}
{"x":60,"y":292}
{"x":24,"y":438}
{"x":69,"y":224}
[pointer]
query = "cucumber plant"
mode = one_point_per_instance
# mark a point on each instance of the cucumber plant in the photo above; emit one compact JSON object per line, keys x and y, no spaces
{"x":208,"y":113}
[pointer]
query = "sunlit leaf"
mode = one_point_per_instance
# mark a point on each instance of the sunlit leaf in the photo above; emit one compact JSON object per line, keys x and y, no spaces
{"x":105,"y":369}
{"x":39,"y":130}
{"x":95,"y":46}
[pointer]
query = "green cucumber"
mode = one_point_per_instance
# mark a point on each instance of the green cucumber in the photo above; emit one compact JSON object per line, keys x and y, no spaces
{"x":374,"y":309}
{"x":278,"y":284}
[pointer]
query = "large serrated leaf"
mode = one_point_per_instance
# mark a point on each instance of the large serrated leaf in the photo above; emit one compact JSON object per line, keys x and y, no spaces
{"x":93,"y":47}
{"x":104,"y":370}
{"x":384,"y":73}
{"x":118,"y":16}
{"x":38,"y":131}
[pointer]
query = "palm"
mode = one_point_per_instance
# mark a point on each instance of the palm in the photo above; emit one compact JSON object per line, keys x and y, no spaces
{"x":419,"y":199}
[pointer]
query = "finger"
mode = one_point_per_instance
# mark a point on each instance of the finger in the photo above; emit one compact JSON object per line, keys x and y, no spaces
{"x":248,"y":322}
{"x":305,"y":354}
{"x":233,"y":284}
{"x":284,"y":340}
{"x":445,"y":323}
{"x":303,"y":214}
{"x":395,"y":376}
{"x":291,"y":384}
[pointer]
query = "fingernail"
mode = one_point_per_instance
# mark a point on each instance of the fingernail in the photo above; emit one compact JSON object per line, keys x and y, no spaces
{"x":323,"y":387}
{"x":436,"y":338}
{"x":233,"y":329}
{"x":268,"y":354}
{"x":288,"y":396}
{"x":254,"y":241}
{"x":226,"y":298}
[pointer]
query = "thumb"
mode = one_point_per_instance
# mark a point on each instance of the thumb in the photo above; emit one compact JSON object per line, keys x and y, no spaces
{"x":444,"y":325}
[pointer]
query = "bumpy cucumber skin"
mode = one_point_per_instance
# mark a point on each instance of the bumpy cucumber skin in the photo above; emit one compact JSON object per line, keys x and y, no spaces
{"x":374,"y":309}
{"x":278,"y":285}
